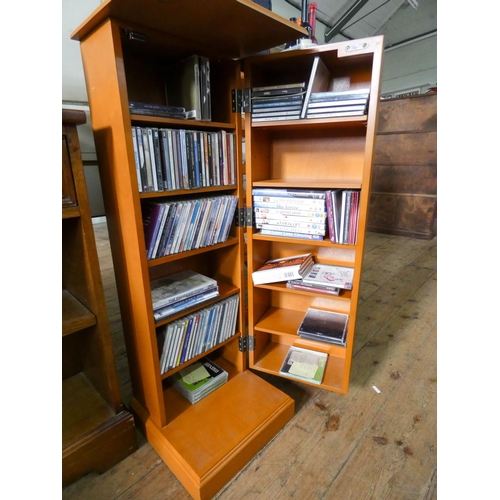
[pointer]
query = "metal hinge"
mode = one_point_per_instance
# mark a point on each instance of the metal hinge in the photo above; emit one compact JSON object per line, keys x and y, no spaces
{"x":244,"y":217}
{"x":241,"y":100}
{"x":135,"y":36}
{"x":247,"y":343}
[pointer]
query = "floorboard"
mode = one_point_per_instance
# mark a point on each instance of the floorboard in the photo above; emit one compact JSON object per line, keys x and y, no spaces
{"x":365,"y":444}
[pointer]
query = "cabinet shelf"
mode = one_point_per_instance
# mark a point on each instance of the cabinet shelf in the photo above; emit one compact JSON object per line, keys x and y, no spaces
{"x":277,"y":320}
{"x":231,"y":241}
{"x":70,"y":212}
{"x":75,"y":316}
{"x":309,"y":184}
{"x":271,"y":359}
{"x":181,"y":192}
{"x":310,"y":123}
{"x":178,"y":123}
{"x":84,"y":409}
{"x":315,"y":243}
{"x":281,"y":287}
{"x":202,"y":355}
{"x":225,"y":291}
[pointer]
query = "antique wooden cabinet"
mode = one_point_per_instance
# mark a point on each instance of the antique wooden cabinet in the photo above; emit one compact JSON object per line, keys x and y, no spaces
{"x":97,"y":430}
{"x":404,"y":192}
{"x":126,"y":48}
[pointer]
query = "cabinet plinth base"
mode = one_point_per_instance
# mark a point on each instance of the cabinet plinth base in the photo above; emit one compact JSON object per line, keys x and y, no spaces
{"x":240,"y":418}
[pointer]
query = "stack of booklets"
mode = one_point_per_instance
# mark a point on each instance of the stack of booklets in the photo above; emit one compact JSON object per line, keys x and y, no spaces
{"x":176,"y":292}
{"x":324,"y":326}
{"x":293,"y":213}
{"x":324,"y":278}
{"x":286,"y":268}
{"x":304,"y":364}
{"x":176,"y":226}
{"x":333,"y":104}
{"x":196,"y":333}
{"x":277,"y":102}
{"x":343,"y":215}
{"x":198,"y":380}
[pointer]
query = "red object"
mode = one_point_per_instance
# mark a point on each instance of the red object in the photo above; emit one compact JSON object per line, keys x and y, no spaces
{"x":312,"y":20}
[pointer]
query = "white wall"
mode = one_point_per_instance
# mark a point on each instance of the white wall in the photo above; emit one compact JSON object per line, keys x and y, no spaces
{"x":74,"y":12}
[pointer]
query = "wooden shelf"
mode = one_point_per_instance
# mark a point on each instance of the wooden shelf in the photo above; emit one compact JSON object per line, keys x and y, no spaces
{"x":345,"y":295}
{"x":317,"y":123}
{"x":298,"y":241}
{"x":70,"y":212}
{"x":84,"y":409}
{"x":236,"y":35}
{"x":231,"y":241}
{"x":75,"y":316}
{"x":271,"y":359}
{"x":184,"y":192}
{"x":191,"y":124}
{"x":304,"y":183}
{"x":225,"y":291}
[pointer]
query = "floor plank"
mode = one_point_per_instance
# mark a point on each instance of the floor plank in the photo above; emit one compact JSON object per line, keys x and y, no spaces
{"x":360,"y":445}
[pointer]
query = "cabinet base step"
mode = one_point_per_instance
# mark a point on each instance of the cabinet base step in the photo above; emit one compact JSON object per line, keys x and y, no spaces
{"x":237,"y":421}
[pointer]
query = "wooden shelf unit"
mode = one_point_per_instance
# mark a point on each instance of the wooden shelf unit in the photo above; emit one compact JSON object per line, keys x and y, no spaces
{"x":335,"y":154}
{"x":206,"y":444}
{"x":97,"y":430}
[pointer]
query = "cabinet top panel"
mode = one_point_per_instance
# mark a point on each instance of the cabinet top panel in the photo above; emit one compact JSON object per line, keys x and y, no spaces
{"x":234,"y":28}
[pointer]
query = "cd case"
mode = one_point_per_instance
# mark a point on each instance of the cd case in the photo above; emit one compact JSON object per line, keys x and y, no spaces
{"x":324,"y":326}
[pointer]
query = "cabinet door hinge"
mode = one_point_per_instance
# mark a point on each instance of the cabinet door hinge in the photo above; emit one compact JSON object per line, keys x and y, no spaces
{"x":247,"y":343}
{"x":135,"y":36}
{"x":244,"y":217}
{"x":241,"y":100}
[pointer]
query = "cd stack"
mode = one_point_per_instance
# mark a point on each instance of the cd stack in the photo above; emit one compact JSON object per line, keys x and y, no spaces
{"x":199,"y":379}
{"x":338,"y":104}
{"x":277,"y":102}
{"x":292,"y":213}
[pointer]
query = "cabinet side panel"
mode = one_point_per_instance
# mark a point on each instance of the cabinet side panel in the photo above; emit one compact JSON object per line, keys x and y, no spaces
{"x":377,"y":44}
{"x":104,"y":72}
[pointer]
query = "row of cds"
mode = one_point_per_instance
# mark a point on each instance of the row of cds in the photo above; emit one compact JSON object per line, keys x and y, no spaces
{"x":175,"y":226}
{"x":171,"y":159}
{"x":191,"y":335}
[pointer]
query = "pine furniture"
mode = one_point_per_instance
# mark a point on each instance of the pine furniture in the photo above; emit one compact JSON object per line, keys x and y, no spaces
{"x":125,"y":49}
{"x":97,"y":430}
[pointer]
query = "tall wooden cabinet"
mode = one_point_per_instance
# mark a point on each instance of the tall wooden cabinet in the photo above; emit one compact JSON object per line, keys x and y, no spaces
{"x":97,"y":430}
{"x":126,"y":48}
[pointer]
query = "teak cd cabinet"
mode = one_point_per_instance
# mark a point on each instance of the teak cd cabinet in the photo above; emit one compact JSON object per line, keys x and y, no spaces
{"x":126,"y":47}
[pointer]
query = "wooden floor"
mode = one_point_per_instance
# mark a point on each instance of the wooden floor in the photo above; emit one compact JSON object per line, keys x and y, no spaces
{"x":363,"y":445}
